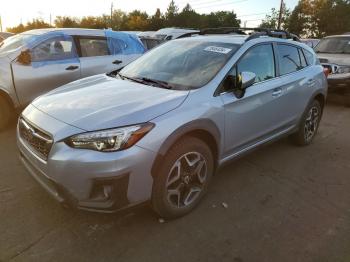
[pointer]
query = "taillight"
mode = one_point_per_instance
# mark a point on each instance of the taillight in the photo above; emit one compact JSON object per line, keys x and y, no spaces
{"x":326,"y":71}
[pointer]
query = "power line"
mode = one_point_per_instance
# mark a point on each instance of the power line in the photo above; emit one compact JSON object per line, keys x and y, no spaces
{"x":253,"y":14}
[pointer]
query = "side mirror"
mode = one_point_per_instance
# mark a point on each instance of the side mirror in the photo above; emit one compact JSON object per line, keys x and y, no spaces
{"x":25,"y":57}
{"x":245,"y":80}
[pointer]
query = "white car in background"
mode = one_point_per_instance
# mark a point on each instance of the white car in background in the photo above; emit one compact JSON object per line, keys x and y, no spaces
{"x":174,"y":33}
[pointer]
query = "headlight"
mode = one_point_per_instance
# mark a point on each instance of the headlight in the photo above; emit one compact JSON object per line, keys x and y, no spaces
{"x":110,"y":140}
{"x":343,"y":70}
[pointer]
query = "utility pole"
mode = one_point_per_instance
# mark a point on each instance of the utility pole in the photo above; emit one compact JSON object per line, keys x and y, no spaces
{"x":112,"y":15}
{"x":0,"y":24}
{"x":280,"y":16}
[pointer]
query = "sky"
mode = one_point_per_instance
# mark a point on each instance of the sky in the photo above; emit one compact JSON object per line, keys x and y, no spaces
{"x":13,"y":12}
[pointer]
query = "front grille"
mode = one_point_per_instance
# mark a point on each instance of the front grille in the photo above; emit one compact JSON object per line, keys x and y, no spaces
{"x":36,"y":139}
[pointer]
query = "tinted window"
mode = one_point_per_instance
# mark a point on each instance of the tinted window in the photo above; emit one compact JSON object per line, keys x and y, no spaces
{"x":93,"y":47}
{"x":259,"y":60}
{"x":309,"y":57}
{"x":289,"y":59}
{"x":302,"y":59}
{"x":57,"y":48}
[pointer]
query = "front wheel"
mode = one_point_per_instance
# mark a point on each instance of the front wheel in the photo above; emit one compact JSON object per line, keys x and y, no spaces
{"x":183,"y":178}
{"x":309,"y":124}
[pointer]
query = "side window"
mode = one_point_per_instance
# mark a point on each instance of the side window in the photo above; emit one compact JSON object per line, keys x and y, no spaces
{"x":289,"y":59}
{"x":93,"y":46}
{"x":259,"y":60}
{"x":302,"y":59}
{"x":57,"y":48}
{"x":309,"y":57}
{"x":116,"y":46}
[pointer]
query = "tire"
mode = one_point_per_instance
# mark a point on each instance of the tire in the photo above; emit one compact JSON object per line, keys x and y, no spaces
{"x":5,"y":113}
{"x":177,"y":187}
{"x":308,"y":125}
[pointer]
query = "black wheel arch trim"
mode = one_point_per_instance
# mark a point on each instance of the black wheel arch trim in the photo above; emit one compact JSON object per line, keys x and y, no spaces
{"x":198,"y":125}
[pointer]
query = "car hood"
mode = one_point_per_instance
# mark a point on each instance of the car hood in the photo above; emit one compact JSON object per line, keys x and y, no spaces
{"x":338,"y":59}
{"x":102,"y":102}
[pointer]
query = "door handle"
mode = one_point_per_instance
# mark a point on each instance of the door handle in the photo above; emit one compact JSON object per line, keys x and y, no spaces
{"x":117,"y":62}
{"x":277,"y":92}
{"x":71,"y":68}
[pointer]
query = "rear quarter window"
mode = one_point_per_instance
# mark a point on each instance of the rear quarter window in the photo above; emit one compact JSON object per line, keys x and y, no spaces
{"x":310,"y":58}
{"x":289,"y":59}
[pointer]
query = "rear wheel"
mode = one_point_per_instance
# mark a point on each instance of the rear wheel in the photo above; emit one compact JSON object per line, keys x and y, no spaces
{"x":309,"y":124}
{"x":183,"y":178}
{"x":5,"y":113}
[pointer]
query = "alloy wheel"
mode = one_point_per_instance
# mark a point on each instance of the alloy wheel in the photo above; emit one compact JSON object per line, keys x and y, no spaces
{"x":311,"y":123}
{"x":186,"y":179}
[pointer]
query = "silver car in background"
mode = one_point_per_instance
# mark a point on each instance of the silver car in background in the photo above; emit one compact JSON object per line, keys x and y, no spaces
{"x":4,"y":35}
{"x":159,"y":128}
{"x":37,"y":61}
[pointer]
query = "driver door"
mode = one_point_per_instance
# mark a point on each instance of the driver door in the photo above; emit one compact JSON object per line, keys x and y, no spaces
{"x":53,"y":63}
{"x":259,"y":114}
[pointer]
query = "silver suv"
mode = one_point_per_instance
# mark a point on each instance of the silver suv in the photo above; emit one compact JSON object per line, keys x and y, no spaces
{"x":159,"y":129}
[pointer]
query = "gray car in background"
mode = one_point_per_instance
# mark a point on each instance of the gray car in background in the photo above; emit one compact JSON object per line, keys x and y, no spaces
{"x":37,"y":61}
{"x":334,"y":54}
{"x":160,"y":128}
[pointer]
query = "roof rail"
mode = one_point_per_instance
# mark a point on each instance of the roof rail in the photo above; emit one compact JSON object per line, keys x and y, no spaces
{"x":253,"y":32}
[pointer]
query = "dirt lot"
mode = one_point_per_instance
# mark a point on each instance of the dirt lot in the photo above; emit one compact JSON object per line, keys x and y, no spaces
{"x":285,"y":203}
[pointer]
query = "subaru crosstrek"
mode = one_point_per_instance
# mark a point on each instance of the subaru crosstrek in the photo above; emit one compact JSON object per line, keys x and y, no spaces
{"x":159,"y":128}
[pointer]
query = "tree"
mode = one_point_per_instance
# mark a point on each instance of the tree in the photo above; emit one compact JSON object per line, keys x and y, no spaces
{"x":171,"y":14}
{"x":331,"y":16}
{"x":66,"y":22}
{"x":34,"y":24}
{"x":188,"y":18}
{"x":300,"y":21}
{"x":271,"y":20}
{"x":220,"y":19}
{"x":137,"y":21}
{"x":156,"y":21}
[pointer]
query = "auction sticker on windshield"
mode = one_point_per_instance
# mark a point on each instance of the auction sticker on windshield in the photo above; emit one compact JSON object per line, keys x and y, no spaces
{"x":218,"y":49}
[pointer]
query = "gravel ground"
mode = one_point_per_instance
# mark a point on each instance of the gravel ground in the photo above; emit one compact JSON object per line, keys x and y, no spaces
{"x":279,"y":203}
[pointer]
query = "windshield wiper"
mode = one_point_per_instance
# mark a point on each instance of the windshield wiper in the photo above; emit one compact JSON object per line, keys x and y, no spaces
{"x":159,"y":83}
{"x":147,"y":81}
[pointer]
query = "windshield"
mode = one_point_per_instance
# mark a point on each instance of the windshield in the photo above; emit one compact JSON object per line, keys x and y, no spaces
{"x":334,"y":45}
{"x":181,"y":64}
{"x":14,"y":42}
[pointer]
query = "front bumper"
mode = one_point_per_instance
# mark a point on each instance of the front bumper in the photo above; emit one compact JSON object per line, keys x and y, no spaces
{"x":90,"y":180}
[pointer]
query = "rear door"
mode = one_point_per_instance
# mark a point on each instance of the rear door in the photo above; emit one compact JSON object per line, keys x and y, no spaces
{"x":260,"y":113}
{"x":296,"y":79}
{"x":95,"y":56}
{"x":54,"y":62}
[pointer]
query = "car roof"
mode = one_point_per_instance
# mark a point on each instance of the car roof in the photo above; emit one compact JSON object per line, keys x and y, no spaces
{"x":344,"y":35}
{"x":239,"y":39}
{"x":69,"y":31}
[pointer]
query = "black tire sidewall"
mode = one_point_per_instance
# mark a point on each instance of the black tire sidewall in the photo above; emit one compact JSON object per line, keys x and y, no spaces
{"x":159,"y":193}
